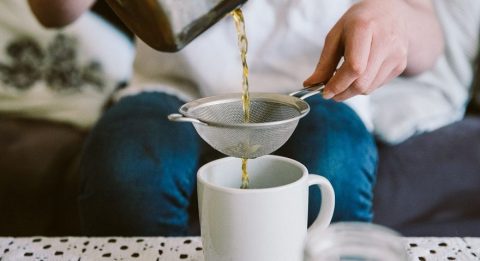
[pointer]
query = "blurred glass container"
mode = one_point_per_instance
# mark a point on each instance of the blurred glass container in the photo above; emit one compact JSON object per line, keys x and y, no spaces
{"x":355,"y":241}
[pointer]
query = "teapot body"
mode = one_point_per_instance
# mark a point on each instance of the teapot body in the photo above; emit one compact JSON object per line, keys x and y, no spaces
{"x":169,"y":25}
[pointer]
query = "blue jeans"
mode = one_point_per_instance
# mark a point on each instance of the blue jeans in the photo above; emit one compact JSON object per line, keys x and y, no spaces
{"x":138,"y":169}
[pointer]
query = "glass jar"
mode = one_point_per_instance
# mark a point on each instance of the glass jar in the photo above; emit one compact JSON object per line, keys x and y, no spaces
{"x":355,"y":241}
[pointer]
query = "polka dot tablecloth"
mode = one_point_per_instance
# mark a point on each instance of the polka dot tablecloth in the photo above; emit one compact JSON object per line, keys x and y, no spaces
{"x":190,"y":248}
{"x":453,"y":248}
{"x":115,"y":248}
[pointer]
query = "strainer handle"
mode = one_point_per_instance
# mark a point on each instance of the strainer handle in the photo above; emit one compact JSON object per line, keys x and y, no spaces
{"x":180,"y":118}
{"x":308,"y":91}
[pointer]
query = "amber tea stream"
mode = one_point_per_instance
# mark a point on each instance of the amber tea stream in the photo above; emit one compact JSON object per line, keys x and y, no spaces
{"x":243,"y":46}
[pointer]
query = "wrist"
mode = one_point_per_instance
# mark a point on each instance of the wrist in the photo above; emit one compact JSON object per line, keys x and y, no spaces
{"x":425,"y":36}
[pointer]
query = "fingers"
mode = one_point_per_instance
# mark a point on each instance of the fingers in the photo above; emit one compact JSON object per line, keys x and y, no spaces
{"x":331,"y":55}
{"x":358,"y":43}
{"x":388,"y":70}
{"x":373,"y":54}
{"x":362,"y":86}
{"x":363,"y":83}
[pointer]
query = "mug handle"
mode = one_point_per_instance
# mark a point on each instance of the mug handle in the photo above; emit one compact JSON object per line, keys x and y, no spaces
{"x":328,"y":202}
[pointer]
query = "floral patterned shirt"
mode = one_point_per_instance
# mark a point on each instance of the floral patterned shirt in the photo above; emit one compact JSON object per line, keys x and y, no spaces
{"x":61,"y":75}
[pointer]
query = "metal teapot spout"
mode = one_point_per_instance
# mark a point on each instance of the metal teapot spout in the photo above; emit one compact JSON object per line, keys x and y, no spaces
{"x":169,"y":25}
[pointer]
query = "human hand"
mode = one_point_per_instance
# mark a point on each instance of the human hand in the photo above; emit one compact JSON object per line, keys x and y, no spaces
{"x":372,"y":38}
{"x":59,"y":13}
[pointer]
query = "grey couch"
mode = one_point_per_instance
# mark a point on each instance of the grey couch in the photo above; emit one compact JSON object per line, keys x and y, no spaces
{"x":430,"y":184}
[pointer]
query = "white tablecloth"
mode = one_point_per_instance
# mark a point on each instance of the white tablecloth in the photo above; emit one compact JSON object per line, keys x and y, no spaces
{"x":189,"y":248}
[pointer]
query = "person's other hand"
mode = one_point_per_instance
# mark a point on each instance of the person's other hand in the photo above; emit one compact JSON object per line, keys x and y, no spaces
{"x":372,"y":38}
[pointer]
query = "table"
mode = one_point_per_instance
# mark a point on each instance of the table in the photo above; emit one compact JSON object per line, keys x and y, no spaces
{"x":190,"y":248}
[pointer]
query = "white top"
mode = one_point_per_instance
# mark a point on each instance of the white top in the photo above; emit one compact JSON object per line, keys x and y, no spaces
{"x":61,"y":75}
{"x":285,"y":41}
{"x":438,"y":97}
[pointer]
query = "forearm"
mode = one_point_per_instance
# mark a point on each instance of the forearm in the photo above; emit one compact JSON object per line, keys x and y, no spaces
{"x":58,"y":13}
{"x":426,"y":42}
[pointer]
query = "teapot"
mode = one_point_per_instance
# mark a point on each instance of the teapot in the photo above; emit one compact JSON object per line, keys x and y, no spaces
{"x":169,"y":25}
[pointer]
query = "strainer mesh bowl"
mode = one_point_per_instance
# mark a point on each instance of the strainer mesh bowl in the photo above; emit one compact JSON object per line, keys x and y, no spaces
{"x":273,"y":118}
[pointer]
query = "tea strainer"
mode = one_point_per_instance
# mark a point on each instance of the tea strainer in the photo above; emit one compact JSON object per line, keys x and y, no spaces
{"x":273,"y":118}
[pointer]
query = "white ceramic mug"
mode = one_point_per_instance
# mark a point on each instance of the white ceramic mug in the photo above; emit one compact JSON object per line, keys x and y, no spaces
{"x":266,"y":222}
